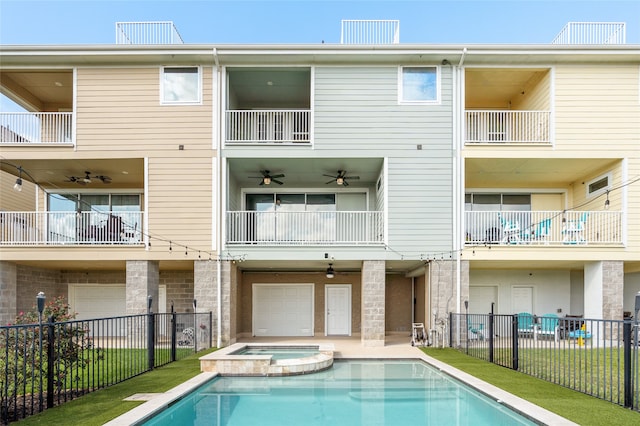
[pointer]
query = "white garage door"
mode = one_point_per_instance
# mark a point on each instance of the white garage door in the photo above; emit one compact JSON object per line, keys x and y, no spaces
{"x":98,"y":301}
{"x":283,"y":309}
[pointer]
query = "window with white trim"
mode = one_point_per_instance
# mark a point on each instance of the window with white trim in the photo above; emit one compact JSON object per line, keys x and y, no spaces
{"x":598,"y":185}
{"x":180,"y":85}
{"x":419,"y":85}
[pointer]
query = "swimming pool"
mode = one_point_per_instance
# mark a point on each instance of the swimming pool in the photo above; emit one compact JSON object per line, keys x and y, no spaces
{"x":390,"y":392}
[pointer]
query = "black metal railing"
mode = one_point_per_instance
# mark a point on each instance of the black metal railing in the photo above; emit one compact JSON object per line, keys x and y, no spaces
{"x":596,"y":357}
{"x":43,"y":365}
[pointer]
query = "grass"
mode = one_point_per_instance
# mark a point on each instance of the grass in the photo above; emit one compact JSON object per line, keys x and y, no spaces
{"x":575,"y":406}
{"x":104,"y":405}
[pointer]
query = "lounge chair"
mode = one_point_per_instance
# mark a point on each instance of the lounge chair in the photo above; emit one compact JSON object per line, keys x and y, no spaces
{"x":549,"y":326}
{"x":476,"y":330}
{"x":526,"y":324}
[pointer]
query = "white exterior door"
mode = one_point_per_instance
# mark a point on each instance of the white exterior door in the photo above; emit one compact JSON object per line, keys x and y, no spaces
{"x":283,"y":309}
{"x":92,"y":301}
{"x":480,"y":299}
{"x":522,"y":299}
{"x":338,"y":310}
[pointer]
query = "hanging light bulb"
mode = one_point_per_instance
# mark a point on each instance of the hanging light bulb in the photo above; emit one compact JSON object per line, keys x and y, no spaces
{"x":607,"y":203}
{"x":18,"y":184}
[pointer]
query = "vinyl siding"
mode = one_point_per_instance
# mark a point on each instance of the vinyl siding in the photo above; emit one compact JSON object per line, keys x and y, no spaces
{"x":357,"y":114}
{"x":597,"y":109}
{"x":538,"y":94}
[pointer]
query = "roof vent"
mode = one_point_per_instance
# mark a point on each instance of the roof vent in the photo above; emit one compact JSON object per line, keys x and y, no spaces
{"x":592,"y":33}
{"x":163,"y":32}
{"x":370,"y":32}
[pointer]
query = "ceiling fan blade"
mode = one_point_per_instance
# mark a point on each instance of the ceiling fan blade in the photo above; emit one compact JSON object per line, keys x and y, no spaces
{"x":331,"y":181}
{"x":331,"y":176}
{"x":261,"y":183}
{"x":277,"y":181}
{"x":277,"y":176}
{"x":345,"y":183}
{"x":352,"y":177}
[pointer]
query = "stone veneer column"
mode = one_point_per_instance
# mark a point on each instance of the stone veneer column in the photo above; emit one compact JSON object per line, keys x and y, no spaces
{"x":373,"y":299}
{"x":143,"y":279}
{"x":205,"y":291}
{"x":8,"y":292}
{"x":603,"y":290}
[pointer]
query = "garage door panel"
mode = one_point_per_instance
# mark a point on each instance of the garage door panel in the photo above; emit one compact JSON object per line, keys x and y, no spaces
{"x":283,"y":309}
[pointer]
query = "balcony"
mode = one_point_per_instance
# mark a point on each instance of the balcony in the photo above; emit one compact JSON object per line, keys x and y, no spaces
{"x":161,"y":32}
{"x":70,"y":228}
{"x":270,"y":228}
{"x":552,"y":228}
{"x":507,"y":127}
{"x":268,"y":126}
{"x":36,"y":128}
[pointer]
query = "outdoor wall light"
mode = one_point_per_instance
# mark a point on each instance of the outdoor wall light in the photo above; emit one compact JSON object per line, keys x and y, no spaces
{"x":330,"y":272}
{"x":607,"y":203}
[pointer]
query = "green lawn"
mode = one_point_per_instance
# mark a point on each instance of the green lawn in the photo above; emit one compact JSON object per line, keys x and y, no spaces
{"x":575,"y":406}
{"x":99,"y":407}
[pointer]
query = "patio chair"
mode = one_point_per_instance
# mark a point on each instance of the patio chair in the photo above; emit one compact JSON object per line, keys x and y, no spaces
{"x":542,"y":231}
{"x":549,"y":326}
{"x":476,"y":330}
{"x":526,"y":324}
{"x":510,"y":231}
{"x":573,"y":231}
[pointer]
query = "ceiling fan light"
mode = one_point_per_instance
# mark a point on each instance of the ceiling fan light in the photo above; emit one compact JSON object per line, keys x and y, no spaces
{"x":340,"y":180}
{"x":266,"y":180}
{"x":330,"y":272}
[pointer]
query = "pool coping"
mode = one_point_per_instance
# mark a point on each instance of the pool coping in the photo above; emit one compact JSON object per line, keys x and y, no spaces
{"x":521,"y":406}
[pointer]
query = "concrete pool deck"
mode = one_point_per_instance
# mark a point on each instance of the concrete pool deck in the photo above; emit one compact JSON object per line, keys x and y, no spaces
{"x":397,"y":346}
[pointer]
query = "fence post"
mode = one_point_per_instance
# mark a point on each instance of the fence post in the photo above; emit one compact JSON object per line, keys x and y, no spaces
{"x":450,"y":331}
{"x":491,"y":334}
{"x":51,"y":342}
{"x":151,"y":356}
{"x":628,"y":383}
{"x":514,"y":342}
{"x":174,"y":333}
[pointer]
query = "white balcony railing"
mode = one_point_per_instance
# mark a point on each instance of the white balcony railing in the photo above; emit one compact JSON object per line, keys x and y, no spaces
{"x":305,"y":228}
{"x":162,"y":32}
{"x":69,"y":228}
{"x":497,"y":127}
{"x":592,"y":33}
{"x":268,"y":126}
{"x":36,"y":127}
{"x":544,"y":227}
{"x":370,"y":32}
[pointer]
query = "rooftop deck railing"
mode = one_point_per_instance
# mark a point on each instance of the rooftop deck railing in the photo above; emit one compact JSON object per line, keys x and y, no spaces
{"x":305,"y":228}
{"x":36,"y":127}
{"x":554,"y":228}
{"x":162,"y":32}
{"x":370,"y":32}
{"x":69,"y":228}
{"x":501,"y":127}
{"x":592,"y":33}
{"x":268,"y":126}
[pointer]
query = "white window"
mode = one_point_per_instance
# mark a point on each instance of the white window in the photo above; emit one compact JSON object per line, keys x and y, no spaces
{"x":419,"y":85}
{"x":180,"y":85}
{"x":598,"y":185}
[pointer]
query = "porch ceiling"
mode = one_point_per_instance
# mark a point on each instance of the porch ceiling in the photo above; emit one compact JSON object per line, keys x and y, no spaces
{"x":496,"y":87}
{"x":38,"y":90}
{"x":529,"y":172}
{"x":54,"y":174}
{"x":305,"y":172}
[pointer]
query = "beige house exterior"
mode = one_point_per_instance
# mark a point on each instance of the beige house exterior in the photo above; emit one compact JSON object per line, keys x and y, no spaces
{"x":152,"y":171}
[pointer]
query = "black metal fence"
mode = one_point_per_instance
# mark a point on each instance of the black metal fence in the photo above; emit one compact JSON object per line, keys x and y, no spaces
{"x":45,"y":365}
{"x":596,"y":357}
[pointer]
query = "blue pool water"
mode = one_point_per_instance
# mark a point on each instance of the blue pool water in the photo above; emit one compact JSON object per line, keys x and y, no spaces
{"x":278,"y":352}
{"x":351,"y":393}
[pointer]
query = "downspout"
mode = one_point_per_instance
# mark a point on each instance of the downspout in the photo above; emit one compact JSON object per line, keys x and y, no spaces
{"x":218,"y":199}
{"x":460,"y":175}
